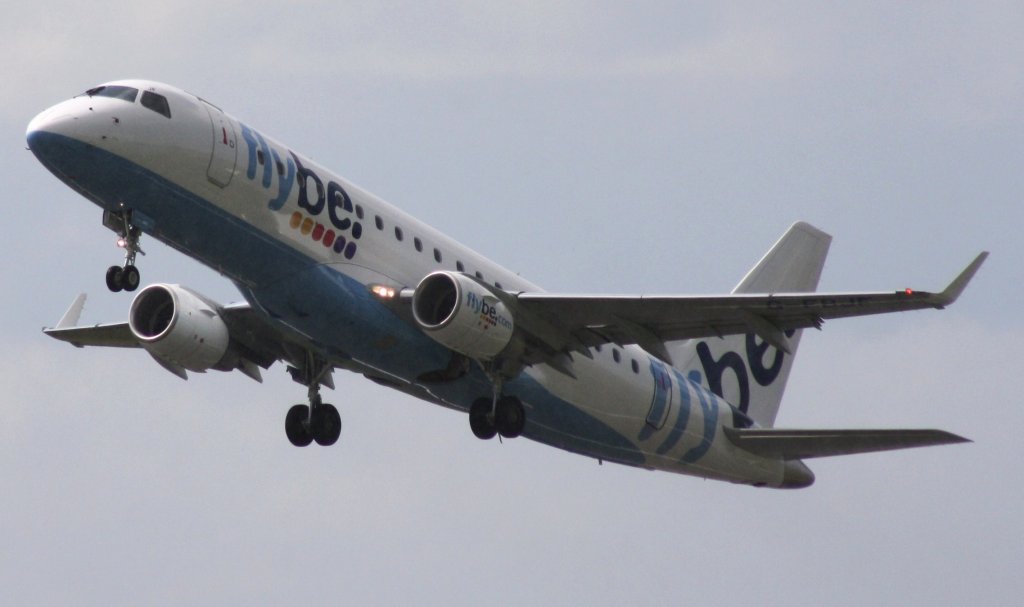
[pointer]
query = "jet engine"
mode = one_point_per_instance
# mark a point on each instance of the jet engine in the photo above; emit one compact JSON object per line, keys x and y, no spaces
{"x":462,"y":314}
{"x":179,"y":326}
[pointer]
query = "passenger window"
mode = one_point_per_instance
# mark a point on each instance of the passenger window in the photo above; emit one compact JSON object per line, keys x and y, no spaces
{"x":378,"y":222}
{"x":459,"y":266}
{"x":479,"y":275}
{"x":437,"y":256}
{"x":157,"y":103}
{"x":497,"y":284}
{"x":398,"y":233}
{"x":418,"y":244}
{"x":616,"y":355}
{"x":635,"y":365}
{"x":359,"y":211}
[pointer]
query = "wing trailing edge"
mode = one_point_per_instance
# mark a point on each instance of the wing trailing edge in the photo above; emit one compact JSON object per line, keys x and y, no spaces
{"x":806,"y":444}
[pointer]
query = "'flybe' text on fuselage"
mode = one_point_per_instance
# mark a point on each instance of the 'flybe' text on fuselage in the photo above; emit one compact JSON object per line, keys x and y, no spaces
{"x":314,"y":198}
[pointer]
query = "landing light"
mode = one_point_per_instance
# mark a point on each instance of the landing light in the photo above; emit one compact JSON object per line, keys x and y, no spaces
{"x":383,"y":292}
{"x":122,"y":243}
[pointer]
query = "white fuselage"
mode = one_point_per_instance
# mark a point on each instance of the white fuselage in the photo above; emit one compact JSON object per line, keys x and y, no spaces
{"x":303,"y":245}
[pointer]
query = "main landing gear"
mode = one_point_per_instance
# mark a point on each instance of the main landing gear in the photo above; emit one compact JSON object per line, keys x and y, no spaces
{"x":318,"y":421}
{"x":124,"y":277}
{"x":502,"y":415}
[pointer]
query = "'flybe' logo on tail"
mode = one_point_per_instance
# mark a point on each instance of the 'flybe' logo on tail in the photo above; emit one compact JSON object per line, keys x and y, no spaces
{"x":755,"y":354}
{"x":341,"y":229}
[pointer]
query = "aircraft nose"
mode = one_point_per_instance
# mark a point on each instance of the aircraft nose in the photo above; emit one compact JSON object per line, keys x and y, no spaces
{"x":48,"y":132}
{"x":57,"y":120}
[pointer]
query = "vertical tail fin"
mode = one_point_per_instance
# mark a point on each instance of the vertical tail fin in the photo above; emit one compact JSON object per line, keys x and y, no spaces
{"x":744,"y":369}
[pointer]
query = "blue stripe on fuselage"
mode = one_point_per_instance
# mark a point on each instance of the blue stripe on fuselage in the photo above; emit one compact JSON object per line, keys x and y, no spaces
{"x":316,"y":299}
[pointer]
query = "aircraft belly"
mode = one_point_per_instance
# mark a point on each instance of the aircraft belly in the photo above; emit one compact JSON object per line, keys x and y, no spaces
{"x":601,"y":414}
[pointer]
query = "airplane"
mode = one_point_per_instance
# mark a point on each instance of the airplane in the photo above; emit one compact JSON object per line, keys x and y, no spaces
{"x":334,"y":278}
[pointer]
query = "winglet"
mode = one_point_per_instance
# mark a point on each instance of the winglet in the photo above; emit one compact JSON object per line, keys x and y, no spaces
{"x":955,"y":288}
{"x":70,"y":318}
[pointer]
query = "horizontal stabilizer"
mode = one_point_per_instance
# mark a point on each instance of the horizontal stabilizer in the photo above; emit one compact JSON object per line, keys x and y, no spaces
{"x":805,"y":444}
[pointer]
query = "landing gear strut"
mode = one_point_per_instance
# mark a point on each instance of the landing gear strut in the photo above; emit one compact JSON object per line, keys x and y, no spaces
{"x":124,"y":277}
{"x":318,"y":421}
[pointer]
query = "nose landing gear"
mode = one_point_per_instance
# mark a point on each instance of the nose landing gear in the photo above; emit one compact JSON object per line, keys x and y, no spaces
{"x":124,"y":277}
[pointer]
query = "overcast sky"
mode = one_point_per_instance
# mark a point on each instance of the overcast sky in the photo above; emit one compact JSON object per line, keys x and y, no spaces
{"x":591,"y":147}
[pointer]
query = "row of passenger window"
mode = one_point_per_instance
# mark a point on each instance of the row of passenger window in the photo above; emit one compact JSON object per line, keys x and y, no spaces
{"x":417,"y":243}
{"x":378,"y":221}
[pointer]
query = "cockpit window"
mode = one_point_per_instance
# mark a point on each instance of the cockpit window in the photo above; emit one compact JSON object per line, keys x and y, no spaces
{"x":157,"y":103}
{"x":117,"y":92}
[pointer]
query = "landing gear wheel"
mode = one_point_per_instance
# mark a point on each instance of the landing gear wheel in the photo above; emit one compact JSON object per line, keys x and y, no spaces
{"x":126,"y":277}
{"x":509,"y":417}
{"x":296,"y":426}
{"x":480,"y":419}
{"x":326,"y":425}
{"x":130,"y":278}
{"x":115,"y":278}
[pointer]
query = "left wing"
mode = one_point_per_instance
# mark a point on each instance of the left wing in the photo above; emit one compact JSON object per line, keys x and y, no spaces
{"x":567,"y":323}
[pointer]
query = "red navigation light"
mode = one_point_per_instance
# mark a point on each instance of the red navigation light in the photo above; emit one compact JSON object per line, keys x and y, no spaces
{"x":909,"y":291}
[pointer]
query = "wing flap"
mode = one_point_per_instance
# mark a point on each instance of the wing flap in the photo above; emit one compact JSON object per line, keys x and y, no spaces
{"x":806,"y":444}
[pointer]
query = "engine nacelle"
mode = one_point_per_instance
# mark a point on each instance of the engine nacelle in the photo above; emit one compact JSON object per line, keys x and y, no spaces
{"x":177,"y":325}
{"x":462,"y":314}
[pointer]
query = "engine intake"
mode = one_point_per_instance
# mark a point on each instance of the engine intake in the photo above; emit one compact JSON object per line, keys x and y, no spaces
{"x":179,"y":326}
{"x":463,"y":315}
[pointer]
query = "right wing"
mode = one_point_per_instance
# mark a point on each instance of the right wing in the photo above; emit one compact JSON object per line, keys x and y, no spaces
{"x":256,"y":342}
{"x":116,"y":335}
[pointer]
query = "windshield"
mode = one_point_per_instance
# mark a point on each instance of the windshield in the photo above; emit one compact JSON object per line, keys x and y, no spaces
{"x":157,"y":103}
{"x":117,"y":92}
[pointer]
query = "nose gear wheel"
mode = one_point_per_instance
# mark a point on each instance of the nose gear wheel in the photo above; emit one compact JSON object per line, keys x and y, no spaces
{"x":125,"y":277}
